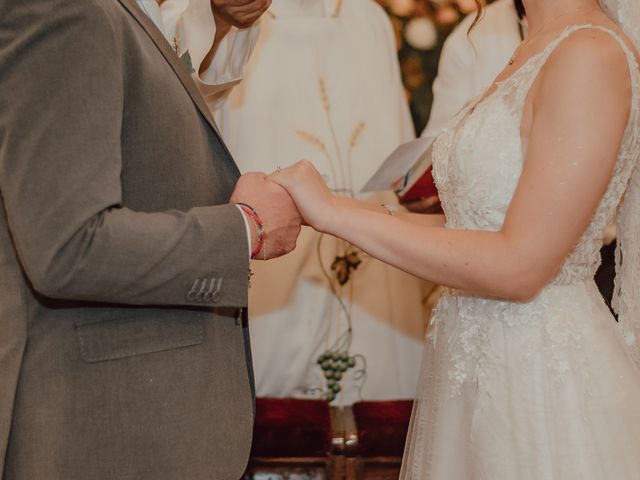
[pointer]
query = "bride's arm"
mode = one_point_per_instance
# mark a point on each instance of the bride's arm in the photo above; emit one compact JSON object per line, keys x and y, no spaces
{"x":580,"y":107}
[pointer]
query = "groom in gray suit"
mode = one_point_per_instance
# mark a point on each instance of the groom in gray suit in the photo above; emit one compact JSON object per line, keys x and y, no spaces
{"x":123,"y":267}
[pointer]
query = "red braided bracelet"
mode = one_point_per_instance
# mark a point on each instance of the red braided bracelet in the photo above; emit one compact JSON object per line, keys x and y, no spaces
{"x":262,"y":234}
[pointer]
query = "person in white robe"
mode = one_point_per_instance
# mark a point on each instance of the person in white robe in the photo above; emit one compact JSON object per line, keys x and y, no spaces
{"x":324,"y":84}
{"x":471,"y":61}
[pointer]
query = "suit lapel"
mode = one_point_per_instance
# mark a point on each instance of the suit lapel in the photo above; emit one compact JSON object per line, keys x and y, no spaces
{"x":176,"y":64}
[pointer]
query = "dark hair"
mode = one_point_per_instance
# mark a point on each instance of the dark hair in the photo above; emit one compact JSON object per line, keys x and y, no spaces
{"x":519,"y":8}
{"x":480,"y":4}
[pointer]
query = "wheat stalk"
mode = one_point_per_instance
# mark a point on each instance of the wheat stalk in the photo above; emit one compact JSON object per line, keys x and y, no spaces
{"x":313,"y":140}
{"x":357,"y":132}
{"x":324,"y":95}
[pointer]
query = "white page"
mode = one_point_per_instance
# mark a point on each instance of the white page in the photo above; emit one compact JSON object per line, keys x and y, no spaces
{"x":397,"y":165}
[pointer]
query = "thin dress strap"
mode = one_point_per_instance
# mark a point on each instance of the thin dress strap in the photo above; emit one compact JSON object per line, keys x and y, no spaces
{"x":542,"y":58}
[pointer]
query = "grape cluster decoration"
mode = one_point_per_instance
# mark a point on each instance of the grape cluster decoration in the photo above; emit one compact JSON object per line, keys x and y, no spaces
{"x":335,"y":365}
{"x":336,"y":361}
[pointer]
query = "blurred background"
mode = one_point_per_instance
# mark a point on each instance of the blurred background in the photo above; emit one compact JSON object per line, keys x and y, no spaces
{"x":421,"y":28}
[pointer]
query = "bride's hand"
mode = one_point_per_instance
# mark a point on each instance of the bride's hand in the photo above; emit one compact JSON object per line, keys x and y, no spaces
{"x":313,"y":198}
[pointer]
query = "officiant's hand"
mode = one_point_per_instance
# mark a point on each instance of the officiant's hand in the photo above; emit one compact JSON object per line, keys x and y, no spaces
{"x":239,"y":13}
{"x":313,"y":198}
{"x":232,"y":13}
{"x":276,"y":210}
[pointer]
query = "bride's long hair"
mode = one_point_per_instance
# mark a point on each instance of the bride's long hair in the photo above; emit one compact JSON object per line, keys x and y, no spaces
{"x":480,"y":12}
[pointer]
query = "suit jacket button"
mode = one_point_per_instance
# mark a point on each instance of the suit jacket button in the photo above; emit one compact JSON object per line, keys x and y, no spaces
{"x":193,"y":293}
{"x":214,"y":294}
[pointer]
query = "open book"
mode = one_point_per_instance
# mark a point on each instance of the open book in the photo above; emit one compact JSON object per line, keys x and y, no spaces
{"x":407,"y":171}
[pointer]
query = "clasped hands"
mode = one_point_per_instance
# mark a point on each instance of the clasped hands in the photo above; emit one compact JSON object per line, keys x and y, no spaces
{"x":278,"y":214}
{"x":284,"y":201}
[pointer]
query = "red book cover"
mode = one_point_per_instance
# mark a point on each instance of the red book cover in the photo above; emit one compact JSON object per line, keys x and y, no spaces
{"x":424,"y":187}
{"x":418,"y":182}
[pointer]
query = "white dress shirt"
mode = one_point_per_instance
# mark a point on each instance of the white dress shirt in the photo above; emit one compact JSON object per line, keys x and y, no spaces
{"x":470,"y":63}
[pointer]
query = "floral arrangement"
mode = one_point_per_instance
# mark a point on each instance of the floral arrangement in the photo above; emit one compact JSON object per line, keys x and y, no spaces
{"x":421,"y":28}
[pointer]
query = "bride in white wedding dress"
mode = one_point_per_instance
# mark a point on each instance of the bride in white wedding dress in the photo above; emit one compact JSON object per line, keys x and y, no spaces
{"x":526,"y":374}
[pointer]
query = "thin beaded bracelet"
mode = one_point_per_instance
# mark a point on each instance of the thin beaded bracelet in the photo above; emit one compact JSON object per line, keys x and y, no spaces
{"x":391,"y":209}
{"x":262,"y":234}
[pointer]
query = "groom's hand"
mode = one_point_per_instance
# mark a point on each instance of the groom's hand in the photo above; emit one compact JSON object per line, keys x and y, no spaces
{"x":239,"y":13}
{"x":275,"y":208}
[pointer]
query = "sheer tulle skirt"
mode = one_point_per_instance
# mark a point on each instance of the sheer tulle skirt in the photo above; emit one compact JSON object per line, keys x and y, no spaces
{"x":545,"y":390}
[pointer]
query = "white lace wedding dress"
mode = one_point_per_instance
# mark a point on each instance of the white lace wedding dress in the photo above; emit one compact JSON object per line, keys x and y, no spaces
{"x":536,"y":391}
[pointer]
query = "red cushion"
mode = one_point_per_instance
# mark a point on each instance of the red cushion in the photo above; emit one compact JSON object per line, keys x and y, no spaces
{"x":382,"y":427}
{"x":286,"y":427}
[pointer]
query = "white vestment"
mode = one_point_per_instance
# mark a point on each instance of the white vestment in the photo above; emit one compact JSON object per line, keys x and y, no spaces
{"x":324,"y":84}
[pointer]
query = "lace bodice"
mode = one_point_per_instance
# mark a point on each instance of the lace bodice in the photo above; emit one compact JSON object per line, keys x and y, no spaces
{"x":478,"y":161}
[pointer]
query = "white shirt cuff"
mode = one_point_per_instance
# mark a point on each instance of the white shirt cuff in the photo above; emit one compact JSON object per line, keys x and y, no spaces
{"x":247,"y":228}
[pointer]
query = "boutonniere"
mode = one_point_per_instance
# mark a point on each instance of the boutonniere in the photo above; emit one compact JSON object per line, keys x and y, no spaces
{"x":185,"y":58}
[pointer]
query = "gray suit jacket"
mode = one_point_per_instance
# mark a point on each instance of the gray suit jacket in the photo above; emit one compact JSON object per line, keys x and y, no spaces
{"x":123,"y":270}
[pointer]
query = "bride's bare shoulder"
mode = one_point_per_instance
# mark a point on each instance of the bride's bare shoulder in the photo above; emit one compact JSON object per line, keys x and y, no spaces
{"x":590,"y":60}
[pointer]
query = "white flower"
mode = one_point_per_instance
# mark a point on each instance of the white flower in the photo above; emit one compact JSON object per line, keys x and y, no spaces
{"x":421,"y":33}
